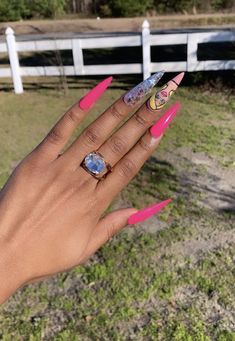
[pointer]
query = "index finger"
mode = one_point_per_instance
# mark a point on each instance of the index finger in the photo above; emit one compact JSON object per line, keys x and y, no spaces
{"x":51,"y":145}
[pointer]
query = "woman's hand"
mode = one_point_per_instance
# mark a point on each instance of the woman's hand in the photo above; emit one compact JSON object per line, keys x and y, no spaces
{"x":51,"y":208}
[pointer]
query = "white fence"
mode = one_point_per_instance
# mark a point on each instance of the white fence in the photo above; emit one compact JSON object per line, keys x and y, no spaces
{"x":146,"y":40}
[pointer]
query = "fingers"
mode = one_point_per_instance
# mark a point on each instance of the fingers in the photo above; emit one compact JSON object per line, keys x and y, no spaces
{"x":57,"y":137}
{"x":125,"y":138}
{"x":98,"y":131}
{"x":130,"y":164}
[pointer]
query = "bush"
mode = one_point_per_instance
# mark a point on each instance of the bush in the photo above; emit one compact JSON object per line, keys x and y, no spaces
{"x":46,"y":8}
{"x":171,"y":6}
{"x":129,"y":8}
{"x":105,"y":11}
{"x":11,"y":10}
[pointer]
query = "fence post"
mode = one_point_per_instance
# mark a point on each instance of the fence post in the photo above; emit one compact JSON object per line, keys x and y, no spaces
{"x":78,"y":57}
{"x":146,"y":49}
{"x":14,"y":60}
{"x":192,"y":45}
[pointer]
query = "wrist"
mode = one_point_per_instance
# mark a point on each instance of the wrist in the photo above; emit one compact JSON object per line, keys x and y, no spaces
{"x":11,"y":277}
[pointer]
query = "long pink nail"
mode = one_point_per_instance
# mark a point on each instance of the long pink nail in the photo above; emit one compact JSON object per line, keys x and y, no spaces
{"x":147,"y":212}
{"x":94,"y":94}
{"x":160,"y":126}
{"x":177,"y":79}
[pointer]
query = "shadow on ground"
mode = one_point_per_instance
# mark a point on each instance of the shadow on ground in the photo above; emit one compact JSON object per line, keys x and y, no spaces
{"x":211,"y":189}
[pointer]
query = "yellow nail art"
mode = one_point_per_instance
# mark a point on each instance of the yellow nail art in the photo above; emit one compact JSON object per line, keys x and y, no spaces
{"x":158,"y":100}
{"x":161,"y":97}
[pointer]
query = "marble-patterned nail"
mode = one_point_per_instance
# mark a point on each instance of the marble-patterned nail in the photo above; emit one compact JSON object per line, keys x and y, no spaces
{"x":133,"y":96}
{"x":161,"y":97}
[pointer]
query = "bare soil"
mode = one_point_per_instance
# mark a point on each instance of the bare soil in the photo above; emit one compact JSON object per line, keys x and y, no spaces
{"x":212,"y":187}
{"x":119,"y":24}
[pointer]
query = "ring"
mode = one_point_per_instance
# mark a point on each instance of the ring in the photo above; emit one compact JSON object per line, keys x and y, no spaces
{"x":95,"y":164}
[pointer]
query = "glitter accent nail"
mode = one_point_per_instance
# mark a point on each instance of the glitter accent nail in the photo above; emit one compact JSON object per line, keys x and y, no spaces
{"x":134,"y":95}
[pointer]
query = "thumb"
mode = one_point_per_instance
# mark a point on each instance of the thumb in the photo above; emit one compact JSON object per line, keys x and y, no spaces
{"x":113,"y":222}
{"x":106,"y":228}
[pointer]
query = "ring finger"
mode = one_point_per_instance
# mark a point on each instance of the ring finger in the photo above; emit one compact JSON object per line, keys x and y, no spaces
{"x":126,"y":137}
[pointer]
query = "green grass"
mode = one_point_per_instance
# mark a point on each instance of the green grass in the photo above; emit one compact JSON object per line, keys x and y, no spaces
{"x":139,"y":286}
{"x":204,"y":124}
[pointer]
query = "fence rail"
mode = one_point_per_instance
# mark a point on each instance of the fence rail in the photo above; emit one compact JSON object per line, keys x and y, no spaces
{"x":144,"y":39}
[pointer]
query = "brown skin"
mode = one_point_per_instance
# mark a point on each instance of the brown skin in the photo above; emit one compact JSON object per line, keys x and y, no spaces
{"x":51,"y":209}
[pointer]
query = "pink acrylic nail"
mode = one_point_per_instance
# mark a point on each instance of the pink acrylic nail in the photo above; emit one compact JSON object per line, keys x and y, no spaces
{"x":147,"y":212}
{"x":177,"y":79}
{"x":94,"y":94}
{"x":160,"y":126}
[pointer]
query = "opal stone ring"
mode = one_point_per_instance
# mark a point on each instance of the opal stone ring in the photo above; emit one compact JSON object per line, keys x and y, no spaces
{"x":95,"y":164}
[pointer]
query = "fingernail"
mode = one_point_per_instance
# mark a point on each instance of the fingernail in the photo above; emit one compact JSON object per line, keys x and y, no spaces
{"x":142,"y":89}
{"x":161,"y":125}
{"x":147,"y":212}
{"x":161,"y":97}
{"x":94,"y":94}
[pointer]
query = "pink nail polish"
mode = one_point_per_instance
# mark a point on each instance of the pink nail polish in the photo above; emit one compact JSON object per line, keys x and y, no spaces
{"x":177,"y":79}
{"x":94,"y":94}
{"x":147,"y":212}
{"x":160,"y":126}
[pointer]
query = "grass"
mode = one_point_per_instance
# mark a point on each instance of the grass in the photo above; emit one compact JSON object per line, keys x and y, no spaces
{"x":141,"y":285}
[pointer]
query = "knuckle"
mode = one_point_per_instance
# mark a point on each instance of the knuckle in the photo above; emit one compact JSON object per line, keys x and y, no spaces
{"x":91,"y":137}
{"x":127,"y":168}
{"x":116,"y":112}
{"x":146,"y":146}
{"x":54,"y":136}
{"x":111,"y":230}
{"x":27,"y":168}
{"x":32,"y":161}
{"x":140,"y":120}
{"x":117,"y":145}
{"x":73,"y":116}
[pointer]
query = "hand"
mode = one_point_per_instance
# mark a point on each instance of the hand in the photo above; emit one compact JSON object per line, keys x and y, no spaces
{"x":51,"y":208}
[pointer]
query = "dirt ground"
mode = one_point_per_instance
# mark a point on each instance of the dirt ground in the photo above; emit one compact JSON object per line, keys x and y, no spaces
{"x":119,"y":24}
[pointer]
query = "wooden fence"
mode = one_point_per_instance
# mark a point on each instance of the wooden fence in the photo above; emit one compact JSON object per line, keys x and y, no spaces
{"x":145,"y":39}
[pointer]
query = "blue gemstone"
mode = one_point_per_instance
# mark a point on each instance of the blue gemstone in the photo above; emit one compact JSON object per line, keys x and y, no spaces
{"x":95,"y":163}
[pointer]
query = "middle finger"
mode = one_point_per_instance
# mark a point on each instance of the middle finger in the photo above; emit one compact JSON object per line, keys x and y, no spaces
{"x":100,"y":129}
